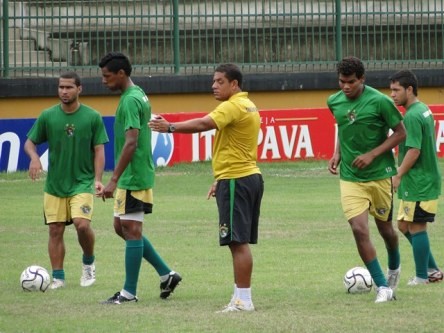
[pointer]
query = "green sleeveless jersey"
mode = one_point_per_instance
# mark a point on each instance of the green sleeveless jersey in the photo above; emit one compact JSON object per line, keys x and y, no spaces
{"x":71,"y":139}
{"x":134,"y":112}
{"x":363,"y":124}
{"x":423,"y":181}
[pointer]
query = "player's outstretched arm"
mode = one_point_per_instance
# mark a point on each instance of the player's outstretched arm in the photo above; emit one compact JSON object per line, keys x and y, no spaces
{"x":196,"y":125}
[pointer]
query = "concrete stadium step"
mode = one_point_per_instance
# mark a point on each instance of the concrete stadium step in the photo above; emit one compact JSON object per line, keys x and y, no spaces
{"x":51,"y":70}
{"x":19,"y":45}
{"x":29,"y":57}
{"x":14,"y":33}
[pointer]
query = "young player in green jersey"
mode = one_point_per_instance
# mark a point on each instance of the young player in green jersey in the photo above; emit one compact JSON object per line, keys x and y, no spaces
{"x":239,"y":187}
{"x":132,"y":179}
{"x":366,"y":164}
{"x":418,"y":181}
{"x":76,"y":135}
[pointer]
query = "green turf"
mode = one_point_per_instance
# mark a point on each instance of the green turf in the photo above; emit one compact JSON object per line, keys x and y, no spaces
{"x":305,"y":247}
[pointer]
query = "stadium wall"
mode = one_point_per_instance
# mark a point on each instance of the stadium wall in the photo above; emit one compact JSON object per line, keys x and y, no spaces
{"x":26,"y":97}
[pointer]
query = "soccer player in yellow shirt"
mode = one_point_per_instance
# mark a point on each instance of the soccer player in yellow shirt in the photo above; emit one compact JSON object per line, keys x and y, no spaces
{"x":238,"y":186}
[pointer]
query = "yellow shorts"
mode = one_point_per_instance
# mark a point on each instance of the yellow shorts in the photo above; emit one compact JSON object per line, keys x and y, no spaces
{"x":376,"y":196}
{"x":127,"y":201}
{"x":65,"y":209}
{"x":417,"y":211}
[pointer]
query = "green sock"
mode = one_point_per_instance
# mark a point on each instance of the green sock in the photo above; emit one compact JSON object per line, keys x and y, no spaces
{"x":88,"y":260}
{"x":421,"y":252}
{"x":151,"y":255}
{"x":133,"y":261}
{"x":408,"y":236}
{"x":58,"y":274}
{"x":376,"y":272}
{"x":394,"y":259}
{"x":432,"y":263}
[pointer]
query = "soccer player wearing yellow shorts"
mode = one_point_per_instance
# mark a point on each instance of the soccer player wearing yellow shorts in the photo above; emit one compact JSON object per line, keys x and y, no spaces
{"x":132,"y":179}
{"x":366,"y":164}
{"x":76,"y":135}
{"x":418,"y":181}
{"x":239,"y":187}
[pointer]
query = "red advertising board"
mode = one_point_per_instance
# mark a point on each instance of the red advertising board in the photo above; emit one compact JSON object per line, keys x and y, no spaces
{"x":286,"y":134}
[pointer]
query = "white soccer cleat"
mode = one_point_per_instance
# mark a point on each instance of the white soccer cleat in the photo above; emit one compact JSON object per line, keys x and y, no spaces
{"x":416,"y":281}
{"x":88,"y":275}
{"x":56,"y":284}
{"x":238,"y":306}
{"x":384,"y":294}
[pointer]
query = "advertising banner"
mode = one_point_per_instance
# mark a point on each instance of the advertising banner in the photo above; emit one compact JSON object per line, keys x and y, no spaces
{"x":286,"y":135}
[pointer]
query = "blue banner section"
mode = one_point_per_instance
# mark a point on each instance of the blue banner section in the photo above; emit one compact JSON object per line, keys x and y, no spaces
{"x":13,"y":136}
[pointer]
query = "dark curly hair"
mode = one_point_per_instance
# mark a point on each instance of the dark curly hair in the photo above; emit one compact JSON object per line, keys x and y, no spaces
{"x":351,"y":65}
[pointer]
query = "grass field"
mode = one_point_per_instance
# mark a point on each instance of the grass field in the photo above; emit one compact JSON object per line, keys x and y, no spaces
{"x":305,"y":247}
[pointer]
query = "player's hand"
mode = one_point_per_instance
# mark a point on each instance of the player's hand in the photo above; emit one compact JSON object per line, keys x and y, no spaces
{"x":35,"y":169}
{"x":108,"y":191}
{"x":333,"y":165}
{"x":159,"y":124}
{"x":212,"y":191}
{"x":99,"y":188}
{"x":362,"y":161}
{"x":396,"y":180}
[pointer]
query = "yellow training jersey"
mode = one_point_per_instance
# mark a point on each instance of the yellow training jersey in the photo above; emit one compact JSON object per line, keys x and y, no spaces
{"x":235,"y":143}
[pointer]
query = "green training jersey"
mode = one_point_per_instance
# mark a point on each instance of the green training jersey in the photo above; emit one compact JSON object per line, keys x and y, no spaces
{"x":423,"y":181}
{"x":134,"y":112}
{"x":71,"y":140}
{"x":363,"y":124}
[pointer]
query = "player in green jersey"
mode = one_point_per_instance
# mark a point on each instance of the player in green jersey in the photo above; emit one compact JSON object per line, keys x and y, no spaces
{"x":239,"y":187}
{"x":418,"y":181}
{"x":76,"y":135}
{"x":132,"y":179}
{"x":364,"y":153}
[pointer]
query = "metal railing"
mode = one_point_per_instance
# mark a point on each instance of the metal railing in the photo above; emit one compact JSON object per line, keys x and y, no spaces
{"x":41,"y":38}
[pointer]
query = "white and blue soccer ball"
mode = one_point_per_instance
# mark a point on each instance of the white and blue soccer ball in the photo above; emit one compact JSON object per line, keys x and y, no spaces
{"x":358,"y":280}
{"x":35,"y":278}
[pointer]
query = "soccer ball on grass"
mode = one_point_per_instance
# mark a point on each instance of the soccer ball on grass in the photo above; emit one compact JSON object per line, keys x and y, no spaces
{"x":35,"y":278}
{"x":358,"y":280}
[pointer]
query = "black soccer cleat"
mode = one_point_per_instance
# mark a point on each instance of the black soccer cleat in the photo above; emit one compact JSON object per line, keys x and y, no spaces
{"x":119,"y":299}
{"x":168,"y":286}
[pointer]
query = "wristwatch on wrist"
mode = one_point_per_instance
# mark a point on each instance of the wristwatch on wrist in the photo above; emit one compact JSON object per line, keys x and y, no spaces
{"x":171,"y":128}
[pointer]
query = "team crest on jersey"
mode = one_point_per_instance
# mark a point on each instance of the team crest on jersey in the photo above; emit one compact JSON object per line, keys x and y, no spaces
{"x":351,"y":116}
{"x":69,"y":129}
{"x":85,"y":209}
{"x":223,"y":231}
{"x":381,"y":211}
